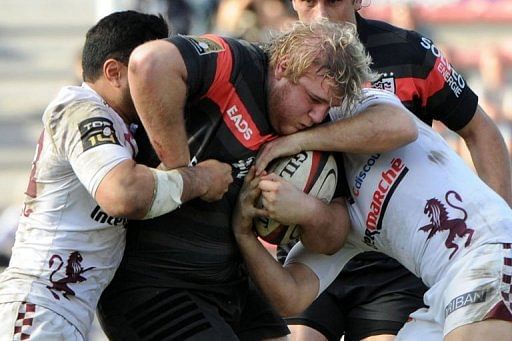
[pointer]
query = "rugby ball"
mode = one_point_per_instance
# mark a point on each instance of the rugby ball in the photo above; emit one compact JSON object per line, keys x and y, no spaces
{"x":313,"y":172}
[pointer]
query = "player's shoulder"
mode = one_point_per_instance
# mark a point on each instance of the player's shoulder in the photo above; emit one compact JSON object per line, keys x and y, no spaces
{"x":75,"y":106}
{"x":375,"y":34}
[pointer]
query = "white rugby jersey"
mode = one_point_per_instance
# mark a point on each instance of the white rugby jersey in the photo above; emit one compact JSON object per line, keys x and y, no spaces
{"x":420,"y":204}
{"x":67,"y":249}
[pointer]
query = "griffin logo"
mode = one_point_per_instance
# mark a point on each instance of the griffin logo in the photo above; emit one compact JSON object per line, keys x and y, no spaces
{"x":438,"y":215}
{"x":74,"y":271}
{"x":97,"y":131}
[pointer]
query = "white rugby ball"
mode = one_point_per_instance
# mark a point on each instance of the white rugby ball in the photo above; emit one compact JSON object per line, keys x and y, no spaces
{"x":313,"y":172}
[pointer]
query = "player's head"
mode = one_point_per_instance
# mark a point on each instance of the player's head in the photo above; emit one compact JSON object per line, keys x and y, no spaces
{"x":115,"y":36}
{"x":106,"y":52}
{"x":313,"y":67}
{"x":334,"y":10}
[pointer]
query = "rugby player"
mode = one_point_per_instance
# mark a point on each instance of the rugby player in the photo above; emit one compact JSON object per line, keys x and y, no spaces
{"x":83,"y":186}
{"x":200,"y":97}
{"x":413,"y":68}
{"x":420,"y":204}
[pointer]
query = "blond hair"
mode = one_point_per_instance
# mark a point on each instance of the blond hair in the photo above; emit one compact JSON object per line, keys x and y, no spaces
{"x":332,"y":49}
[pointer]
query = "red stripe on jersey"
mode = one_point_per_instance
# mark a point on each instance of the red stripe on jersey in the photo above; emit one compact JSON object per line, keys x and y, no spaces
{"x":409,"y":88}
{"x":234,"y":112}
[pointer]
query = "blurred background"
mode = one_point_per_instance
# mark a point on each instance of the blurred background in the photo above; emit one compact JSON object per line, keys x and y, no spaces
{"x":40,"y":44}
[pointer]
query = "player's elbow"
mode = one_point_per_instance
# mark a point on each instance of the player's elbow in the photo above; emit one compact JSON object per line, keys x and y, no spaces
{"x":327,"y":246}
{"x":289,"y":307}
{"x":410,"y":131}
{"x":399,"y":130}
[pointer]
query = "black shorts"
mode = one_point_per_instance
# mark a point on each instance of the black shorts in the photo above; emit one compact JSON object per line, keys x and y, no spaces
{"x":147,"y":313}
{"x":373,"y":295}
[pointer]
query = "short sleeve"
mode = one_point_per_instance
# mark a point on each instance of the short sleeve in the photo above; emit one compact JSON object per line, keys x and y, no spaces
{"x":90,"y":137}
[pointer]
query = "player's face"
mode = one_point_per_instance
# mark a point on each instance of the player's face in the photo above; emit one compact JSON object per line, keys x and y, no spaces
{"x":125,"y":98}
{"x":334,"y":10}
{"x":294,"y":107}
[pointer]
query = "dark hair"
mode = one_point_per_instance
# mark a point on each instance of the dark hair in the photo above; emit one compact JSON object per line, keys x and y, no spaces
{"x":115,"y":36}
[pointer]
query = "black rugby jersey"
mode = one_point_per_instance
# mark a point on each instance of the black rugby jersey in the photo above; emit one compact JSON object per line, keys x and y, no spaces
{"x":226,"y":119}
{"x":415,"y":70}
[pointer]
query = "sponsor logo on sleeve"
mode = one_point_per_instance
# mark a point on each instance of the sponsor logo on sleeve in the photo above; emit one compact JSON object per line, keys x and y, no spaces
{"x":97,"y":131}
{"x":454,"y":79}
{"x":204,"y":45}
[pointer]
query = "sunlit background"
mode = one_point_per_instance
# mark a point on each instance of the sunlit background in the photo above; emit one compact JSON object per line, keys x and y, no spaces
{"x":40,"y":42}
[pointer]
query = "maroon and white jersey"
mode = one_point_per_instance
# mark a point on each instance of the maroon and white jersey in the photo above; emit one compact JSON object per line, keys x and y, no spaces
{"x":67,"y":249}
{"x":420,"y":204}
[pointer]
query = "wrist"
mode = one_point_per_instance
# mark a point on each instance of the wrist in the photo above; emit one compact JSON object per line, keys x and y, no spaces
{"x":167,"y":192}
{"x":304,"y":140}
{"x":245,"y":237}
{"x":195,"y":182}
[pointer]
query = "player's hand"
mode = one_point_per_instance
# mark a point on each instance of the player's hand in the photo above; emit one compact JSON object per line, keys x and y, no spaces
{"x":246,"y":210}
{"x":283,"y":201}
{"x":282,"y":146}
{"x":217,"y":176}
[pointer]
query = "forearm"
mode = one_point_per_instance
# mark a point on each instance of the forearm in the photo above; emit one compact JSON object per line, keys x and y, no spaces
{"x":326,"y":227}
{"x":493,"y":168}
{"x":135,"y":191}
{"x":195,"y":182}
{"x":126,"y":191}
{"x":289,"y":291}
{"x":482,"y":136}
{"x":379,"y":128}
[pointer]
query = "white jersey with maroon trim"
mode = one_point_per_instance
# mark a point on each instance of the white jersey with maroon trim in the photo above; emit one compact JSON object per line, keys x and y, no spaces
{"x":67,"y":249}
{"x":420,"y":204}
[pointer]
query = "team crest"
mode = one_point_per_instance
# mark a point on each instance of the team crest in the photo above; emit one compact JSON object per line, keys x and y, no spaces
{"x":204,"y":45}
{"x":440,"y":221}
{"x":386,"y":82}
{"x":74,"y":271}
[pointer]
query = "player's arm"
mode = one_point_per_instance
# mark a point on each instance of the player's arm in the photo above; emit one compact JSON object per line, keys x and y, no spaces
{"x":288,"y":289}
{"x":483,"y":136}
{"x":157,"y":76}
{"x":378,"y":128}
{"x":291,"y":288}
{"x":323,"y":227}
{"x":135,"y":191}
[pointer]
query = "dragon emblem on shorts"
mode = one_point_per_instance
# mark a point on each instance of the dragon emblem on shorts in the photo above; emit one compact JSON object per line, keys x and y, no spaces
{"x":74,"y":271}
{"x":438,"y":215}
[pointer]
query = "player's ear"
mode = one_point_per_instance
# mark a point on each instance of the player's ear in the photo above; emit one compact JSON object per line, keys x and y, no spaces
{"x":281,"y":67}
{"x":113,"y":71}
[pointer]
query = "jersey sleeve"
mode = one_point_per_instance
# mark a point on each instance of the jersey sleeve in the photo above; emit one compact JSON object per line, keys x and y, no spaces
{"x":325,"y":267}
{"x":443,"y":92}
{"x":205,"y":58}
{"x":88,"y":136}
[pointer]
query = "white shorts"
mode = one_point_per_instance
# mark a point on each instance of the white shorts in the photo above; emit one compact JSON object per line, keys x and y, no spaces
{"x":26,"y":321}
{"x":475,"y":288}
